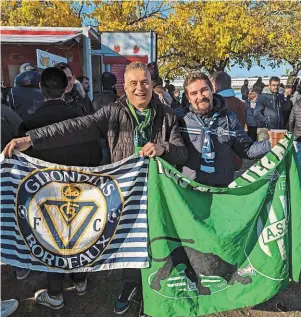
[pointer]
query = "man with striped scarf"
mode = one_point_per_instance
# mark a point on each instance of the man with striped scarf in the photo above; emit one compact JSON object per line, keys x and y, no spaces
{"x":211,"y":132}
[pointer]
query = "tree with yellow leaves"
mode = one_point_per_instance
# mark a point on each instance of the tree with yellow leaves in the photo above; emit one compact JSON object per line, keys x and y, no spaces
{"x":210,"y":36}
{"x":39,"y":13}
{"x":282,"y":24}
{"x":195,"y":35}
{"x":203,"y":35}
{"x":129,"y":15}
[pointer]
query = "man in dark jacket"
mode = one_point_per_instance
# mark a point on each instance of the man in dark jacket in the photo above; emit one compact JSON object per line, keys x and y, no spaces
{"x":259,"y":84}
{"x":272,"y":108}
{"x":211,"y":132}
{"x":245,"y":90}
{"x":135,"y":122}
{"x":221,"y":83}
{"x":54,"y":83}
{"x":75,"y":96}
{"x":109,"y":81}
{"x":10,"y":124}
{"x":26,"y":96}
{"x":53,"y":110}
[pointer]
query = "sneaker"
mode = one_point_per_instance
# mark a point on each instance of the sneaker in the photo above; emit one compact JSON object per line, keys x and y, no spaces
{"x":81,"y":287}
{"x":122,"y":304}
{"x":21,"y":274}
{"x":8,"y":307}
{"x":54,"y":302}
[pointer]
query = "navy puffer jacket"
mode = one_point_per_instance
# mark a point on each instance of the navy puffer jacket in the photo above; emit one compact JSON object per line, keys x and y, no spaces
{"x":270,"y":111}
{"x":227,"y":135}
{"x":26,"y":96}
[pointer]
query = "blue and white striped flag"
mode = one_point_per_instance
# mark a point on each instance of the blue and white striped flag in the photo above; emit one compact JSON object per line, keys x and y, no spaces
{"x":73,"y":219}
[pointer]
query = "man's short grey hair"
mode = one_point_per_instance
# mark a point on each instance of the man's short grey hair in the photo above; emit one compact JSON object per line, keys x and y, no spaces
{"x":222,"y":81}
{"x":136,"y":65}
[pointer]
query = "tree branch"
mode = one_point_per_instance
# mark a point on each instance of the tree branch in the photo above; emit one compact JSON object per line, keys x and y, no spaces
{"x":146,"y":16}
{"x":80,"y":10}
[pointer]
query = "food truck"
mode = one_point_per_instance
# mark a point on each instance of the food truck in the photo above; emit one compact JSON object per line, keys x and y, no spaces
{"x":88,"y":51}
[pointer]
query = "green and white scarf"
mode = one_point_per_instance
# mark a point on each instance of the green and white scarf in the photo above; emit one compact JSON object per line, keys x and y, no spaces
{"x":143,"y":125}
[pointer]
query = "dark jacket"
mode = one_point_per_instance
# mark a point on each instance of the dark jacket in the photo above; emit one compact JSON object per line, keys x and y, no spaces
{"x":26,"y":96}
{"x":81,"y":154}
{"x":115,"y":124}
{"x":78,"y":100}
{"x":251,"y":120}
{"x":223,"y":145}
{"x":244,"y":92}
{"x":238,"y":107}
{"x":295,"y":121}
{"x":10,"y":123}
{"x":271,"y":110}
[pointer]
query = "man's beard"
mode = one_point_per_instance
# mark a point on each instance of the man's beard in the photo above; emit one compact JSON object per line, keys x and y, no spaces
{"x":204,"y":110}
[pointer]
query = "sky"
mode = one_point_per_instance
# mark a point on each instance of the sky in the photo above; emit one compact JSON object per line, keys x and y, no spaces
{"x":258,"y":71}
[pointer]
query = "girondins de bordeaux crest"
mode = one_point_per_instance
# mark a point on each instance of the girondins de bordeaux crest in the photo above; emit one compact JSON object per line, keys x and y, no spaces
{"x":67,"y":217}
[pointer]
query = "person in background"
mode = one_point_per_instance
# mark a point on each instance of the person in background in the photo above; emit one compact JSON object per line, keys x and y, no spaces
{"x":163,"y":95}
{"x":295,"y":127}
{"x":250,"y":106}
{"x":259,"y":84}
{"x":10,"y":128}
{"x":171,"y":89}
{"x":184,"y":101}
{"x":245,"y":90}
{"x":211,"y":132}
{"x":288,"y":92}
{"x":167,"y":83}
{"x":296,"y":95}
{"x":85,"y":81}
{"x":281,"y":89}
{"x":178,"y":96}
{"x":295,"y":84}
{"x":272,"y":109}
{"x":109,"y":81}
{"x":10,"y":124}
{"x":75,"y":96}
{"x":27,"y":67}
{"x":103,"y":99}
{"x":54,"y":84}
{"x":288,"y":104}
{"x":5,"y":92}
{"x":221,"y":83}
{"x":26,"y":95}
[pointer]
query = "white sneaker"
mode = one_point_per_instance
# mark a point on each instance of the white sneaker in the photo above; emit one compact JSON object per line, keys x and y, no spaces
{"x":54,"y":302}
{"x":81,"y":288}
{"x":8,"y":307}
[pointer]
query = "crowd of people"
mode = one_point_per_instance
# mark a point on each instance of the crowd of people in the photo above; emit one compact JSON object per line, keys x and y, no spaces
{"x":274,"y":107}
{"x":203,"y":133}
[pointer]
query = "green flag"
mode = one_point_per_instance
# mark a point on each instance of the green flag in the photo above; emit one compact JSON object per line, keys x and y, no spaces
{"x":217,"y":249}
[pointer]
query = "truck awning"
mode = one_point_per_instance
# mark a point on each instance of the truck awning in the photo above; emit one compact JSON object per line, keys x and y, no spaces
{"x":38,"y":39}
{"x":44,"y":35}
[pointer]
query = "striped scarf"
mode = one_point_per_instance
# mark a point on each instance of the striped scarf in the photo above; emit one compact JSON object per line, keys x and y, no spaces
{"x":208,"y":154}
